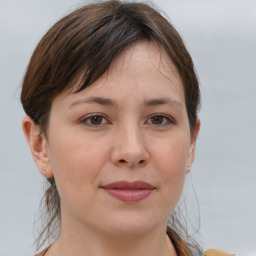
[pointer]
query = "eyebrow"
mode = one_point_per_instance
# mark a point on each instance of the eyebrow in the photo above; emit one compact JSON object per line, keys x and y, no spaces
{"x":99,"y":100}
{"x":162,"y":101}
{"x":109,"y":102}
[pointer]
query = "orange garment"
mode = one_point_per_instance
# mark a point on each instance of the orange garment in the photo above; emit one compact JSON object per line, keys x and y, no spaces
{"x":215,"y":252}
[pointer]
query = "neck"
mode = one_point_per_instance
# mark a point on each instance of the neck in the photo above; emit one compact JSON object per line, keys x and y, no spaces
{"x":87,"y":242}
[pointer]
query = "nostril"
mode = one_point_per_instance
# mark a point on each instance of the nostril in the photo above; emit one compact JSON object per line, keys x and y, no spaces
{"x":122,"y":161}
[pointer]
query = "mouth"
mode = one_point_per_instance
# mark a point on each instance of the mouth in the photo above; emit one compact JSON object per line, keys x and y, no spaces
{"x":129,"y":191}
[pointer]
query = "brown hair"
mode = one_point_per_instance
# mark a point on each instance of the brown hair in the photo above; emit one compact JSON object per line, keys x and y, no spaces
{"x":86,"y":42}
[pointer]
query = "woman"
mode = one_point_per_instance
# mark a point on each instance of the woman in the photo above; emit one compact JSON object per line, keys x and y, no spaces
{"x":111,"y":98}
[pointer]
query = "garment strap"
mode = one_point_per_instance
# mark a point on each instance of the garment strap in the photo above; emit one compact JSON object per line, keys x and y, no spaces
{"x":42,"y":253}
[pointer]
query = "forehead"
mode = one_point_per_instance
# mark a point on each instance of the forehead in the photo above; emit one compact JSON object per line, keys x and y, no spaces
{"x":143,"y":67}
{"x":143,"y":53}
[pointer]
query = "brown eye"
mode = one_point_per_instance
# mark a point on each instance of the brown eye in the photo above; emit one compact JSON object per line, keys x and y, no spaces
{"x":96,"y":120}
{"x":160,"y":120}
{"x":157,"y":120}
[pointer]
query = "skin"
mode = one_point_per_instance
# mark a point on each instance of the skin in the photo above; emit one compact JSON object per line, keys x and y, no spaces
{"x":123,"y":142}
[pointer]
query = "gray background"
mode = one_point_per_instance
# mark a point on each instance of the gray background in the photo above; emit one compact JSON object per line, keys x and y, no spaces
{"x":221,"y":37}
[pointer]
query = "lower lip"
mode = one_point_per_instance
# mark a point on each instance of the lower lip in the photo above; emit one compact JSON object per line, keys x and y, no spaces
{"x":129,"y":195}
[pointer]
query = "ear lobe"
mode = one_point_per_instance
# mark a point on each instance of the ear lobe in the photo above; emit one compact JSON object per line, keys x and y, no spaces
{"x":38,"y":146}
{"x":193,"y":145}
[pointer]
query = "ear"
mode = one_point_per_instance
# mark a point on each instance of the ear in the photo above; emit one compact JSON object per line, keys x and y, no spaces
{"x":38,"y":146}
{"x":193,"y":145}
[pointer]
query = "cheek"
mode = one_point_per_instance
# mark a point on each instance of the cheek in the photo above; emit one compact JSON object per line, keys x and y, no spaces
{"x":171,"y":154}
{"x":171,"y":162}
{"x":76,"y":161}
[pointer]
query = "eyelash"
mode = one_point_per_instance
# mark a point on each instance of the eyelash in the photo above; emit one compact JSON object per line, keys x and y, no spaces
{"x":88,"y":118}
{"x":168,"y":120}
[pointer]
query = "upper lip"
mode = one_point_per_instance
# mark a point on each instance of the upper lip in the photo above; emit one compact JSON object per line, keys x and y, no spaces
{"x":128,"y":185}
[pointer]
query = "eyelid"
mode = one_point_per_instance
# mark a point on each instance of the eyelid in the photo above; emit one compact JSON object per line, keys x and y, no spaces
{"x":171,"y":120}
{"x":87,"y":117}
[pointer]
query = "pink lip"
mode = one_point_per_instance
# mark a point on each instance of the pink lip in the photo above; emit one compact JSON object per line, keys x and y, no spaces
{"x":129,"y":191}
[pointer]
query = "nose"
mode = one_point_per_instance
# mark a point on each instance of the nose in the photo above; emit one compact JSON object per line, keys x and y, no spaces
{"x":130,"y":149}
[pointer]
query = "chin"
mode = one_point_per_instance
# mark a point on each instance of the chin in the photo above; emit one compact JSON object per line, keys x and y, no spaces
{"x":134,"y":225}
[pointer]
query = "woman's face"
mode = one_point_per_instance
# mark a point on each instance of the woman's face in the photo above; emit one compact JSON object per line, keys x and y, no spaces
{"x":119,"y":150}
